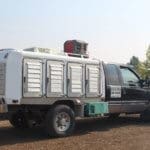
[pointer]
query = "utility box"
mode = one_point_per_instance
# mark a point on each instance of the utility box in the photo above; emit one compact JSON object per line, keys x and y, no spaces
{"x":96,"y":108}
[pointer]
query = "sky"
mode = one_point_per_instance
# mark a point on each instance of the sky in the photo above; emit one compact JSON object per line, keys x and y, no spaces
{"x":115,"y":29}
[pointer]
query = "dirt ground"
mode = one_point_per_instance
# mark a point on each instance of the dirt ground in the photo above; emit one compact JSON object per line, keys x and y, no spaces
{"x":124,"y":133}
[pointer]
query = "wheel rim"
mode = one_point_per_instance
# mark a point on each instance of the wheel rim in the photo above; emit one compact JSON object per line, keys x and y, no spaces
{"x":62,"y":121}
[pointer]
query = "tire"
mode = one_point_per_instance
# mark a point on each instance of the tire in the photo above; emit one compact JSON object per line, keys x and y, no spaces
{"x":60,"y":121}
{"x":18,"y":120}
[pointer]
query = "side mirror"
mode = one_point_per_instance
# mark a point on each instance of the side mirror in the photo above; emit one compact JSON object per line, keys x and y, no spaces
{"x":141,"y":82}
{"x":147,"y":82}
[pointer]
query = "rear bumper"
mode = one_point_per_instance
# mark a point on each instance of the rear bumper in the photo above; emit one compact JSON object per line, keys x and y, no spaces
{"x":3,"y":106}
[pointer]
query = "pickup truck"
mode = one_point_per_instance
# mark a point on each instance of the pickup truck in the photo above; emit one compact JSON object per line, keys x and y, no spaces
{"x":42,"y":88}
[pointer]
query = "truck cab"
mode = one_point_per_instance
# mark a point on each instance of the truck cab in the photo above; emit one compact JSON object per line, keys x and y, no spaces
{"x":124,"y":90}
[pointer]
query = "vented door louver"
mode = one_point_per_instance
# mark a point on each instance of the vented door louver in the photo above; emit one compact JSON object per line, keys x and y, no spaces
{"x":32,"y":78}
{"x":2,"y":78}
{"x":55,"y":78}
{"x":75,"y":76}
{"x":92,"y":78}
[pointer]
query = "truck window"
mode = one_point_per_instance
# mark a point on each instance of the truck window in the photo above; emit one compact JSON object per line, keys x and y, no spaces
{"x":129,"y":77}
{"x":112,"y":74}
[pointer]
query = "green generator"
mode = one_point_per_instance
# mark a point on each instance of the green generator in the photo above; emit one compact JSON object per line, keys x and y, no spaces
{"x":96,"y":108}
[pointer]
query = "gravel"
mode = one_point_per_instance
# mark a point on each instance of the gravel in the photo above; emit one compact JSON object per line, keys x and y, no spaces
{"x":124,"y":133}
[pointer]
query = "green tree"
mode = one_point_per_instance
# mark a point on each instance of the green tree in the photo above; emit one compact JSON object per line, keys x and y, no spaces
{"x":139,"y":67}
{"x":134,"y":61}
{"x":147,"y":63}
{"x":143,"y":68}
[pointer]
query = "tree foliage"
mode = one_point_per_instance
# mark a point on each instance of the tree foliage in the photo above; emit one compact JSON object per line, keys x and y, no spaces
{"x":134,"y":61}
{"x":143,"y":68}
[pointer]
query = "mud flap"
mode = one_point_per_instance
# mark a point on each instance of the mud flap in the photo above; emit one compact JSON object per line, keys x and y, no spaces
{"x":3,"y":106}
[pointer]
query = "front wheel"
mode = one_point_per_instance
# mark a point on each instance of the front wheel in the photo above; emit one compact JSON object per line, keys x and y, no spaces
{"x":60,"y":121}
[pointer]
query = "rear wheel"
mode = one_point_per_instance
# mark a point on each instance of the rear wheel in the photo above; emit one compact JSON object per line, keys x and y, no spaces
{"x":18,"y":120}
{"x":60,"y":121}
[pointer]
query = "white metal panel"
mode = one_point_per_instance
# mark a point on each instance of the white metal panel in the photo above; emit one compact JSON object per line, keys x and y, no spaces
{"x":32,"y":78}
{"x":13,"y":77}
{"x":75,"y":80}
{"x":55,"y":78}
{"x":61,"y":57}
{"x":102,"y":81}
{"x":92,"y":80}
{"x":2,"y":78}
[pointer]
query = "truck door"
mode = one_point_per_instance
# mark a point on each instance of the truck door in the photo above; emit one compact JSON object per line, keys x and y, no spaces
{"x":134,"y":97}
{"x":113,"y":87}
